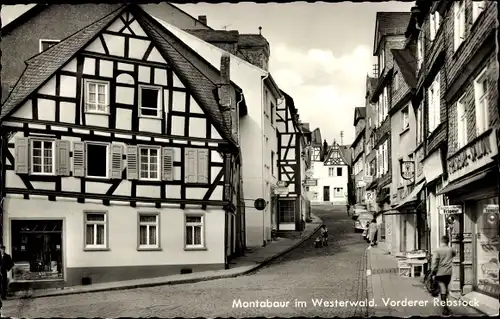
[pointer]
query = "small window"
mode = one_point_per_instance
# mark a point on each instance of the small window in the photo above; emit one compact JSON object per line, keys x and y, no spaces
{"x":272,"y":113}
{"x":286,"y":211}
{"x":339,"y":171}
{"x":272,"y":163}
{"x":195,"y":232}
{"x":97,"y":160}
{"x":95,"y":230}
{"x":97,"y":96}
{"x":331,"y":171}
{"x":459,"y":23}
{"x":149,"y":163}
{"x":461,"y":123}
{"x":405,"y":119}
{"x":481,"y":102}
{"x":434,"y":21}
{"x":42,"y":157}
{"x":148,"y":231}
{"x":45,"y":44}
{"x":150,"y":101}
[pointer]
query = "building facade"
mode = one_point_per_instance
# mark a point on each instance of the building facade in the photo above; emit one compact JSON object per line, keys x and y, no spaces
{"x":370,"y":152}
{"x":459,"y":102}
{"x":359,"y":157}
{"x":126,"y":89}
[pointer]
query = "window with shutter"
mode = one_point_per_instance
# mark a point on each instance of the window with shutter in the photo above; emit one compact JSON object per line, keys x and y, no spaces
{"x":132,"y":162}
{"x":62,"y":157}
{"x":202,"y":172}
{"x":78,"y":159}
{"x":21,"y":165}
{"x":190,"y":165}
{"x":116,"y":165}
{"x":43,"y":157}
{"x":168,"y":164}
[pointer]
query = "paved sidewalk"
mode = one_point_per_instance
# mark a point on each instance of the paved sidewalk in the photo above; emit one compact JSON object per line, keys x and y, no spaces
{"x":387,"y":288}
{"x":255,"y":258}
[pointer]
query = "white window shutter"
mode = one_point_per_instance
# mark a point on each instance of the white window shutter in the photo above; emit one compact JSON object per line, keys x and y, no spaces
{"x":202,"y":166}
{"x":437,"y":89}
{"x":132,"y":162}
{"x":62,"y":157}
{"x":191,"y":156}
{"x":168,"y":164}
{"x":22,"y":164}
{"x":116,"y":159}
{"x":79,"y":159}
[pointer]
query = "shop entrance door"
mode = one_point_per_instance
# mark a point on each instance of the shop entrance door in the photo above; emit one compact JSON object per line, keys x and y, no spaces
{"x":326,"y":193}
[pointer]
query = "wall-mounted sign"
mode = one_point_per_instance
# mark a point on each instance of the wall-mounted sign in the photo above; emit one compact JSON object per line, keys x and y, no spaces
{"x":282,"y":188}
{"x":370,"y":197}
{"x":260,"y":204}
{"x":310,"y":182}
{"x":450,"y":209}
{"x":281,"y":184}
{"x":473,"y":156}
{"x":309,"y":173}
{"x":407,"y":170}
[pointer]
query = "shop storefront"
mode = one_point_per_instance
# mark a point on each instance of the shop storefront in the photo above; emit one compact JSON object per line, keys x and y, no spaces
{"x":36,"y":250}
{"x":473,"y":186}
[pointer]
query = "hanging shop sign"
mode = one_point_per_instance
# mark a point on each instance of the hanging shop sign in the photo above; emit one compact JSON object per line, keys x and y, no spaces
{"x":282,"y":188}
{"x":260,"y":204}
{"x":309,"y":173}
{"x":407,"y":170}
{"x":473,"y":156}
{"x":450,"y":209}
{"x":310,"y":182}
{"x":370,"y":197}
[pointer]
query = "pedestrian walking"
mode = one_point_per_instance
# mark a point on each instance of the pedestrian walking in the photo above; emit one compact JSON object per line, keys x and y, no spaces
{"x":372,"y":232}
{"x":442,"y":270}
{"x":324,"y":235}
{"x":6,"y":265}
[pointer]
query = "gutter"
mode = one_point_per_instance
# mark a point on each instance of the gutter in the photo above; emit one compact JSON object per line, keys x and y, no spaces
{"x":263,"y":105}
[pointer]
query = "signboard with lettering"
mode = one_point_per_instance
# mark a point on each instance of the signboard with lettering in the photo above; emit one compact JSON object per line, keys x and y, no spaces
{"x":282,"y":188}
{"x":450,"y":209}
{"x":473,"y":156}
{"x":407,"y":170}
{"x":310,"y":182}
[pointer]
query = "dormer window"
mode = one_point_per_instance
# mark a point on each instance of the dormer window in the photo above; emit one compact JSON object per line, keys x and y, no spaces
{"x":96,"y":96}
{"x":45,"y":44}
{"x":150,"y":101}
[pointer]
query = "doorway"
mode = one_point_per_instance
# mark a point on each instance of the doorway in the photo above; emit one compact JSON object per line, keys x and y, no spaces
{"x":37,"y":249}
{"x":326,"y":193}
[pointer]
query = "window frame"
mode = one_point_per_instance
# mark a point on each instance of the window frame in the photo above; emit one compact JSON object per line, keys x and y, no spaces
{"x":341,"y":171}
{"x":434,"y":24}
{"x":158,"y":162}
{"x":294,"y":210}
{"x":482,"y":117}
{"x":272,"y":163}
{"x":201,"y":224}
{"x":461,"y":122}
{"x":87,"y":83}
{"x":108,"y":145}
{"x":148,"y":247}
{"x":42,"y":41}
{"x":31,"y":145}
{"x":420,"y":119}
{"x":434,"y":97}
{"x":272,"y":110}
{"x":331,"y":172}
{"x":420,"y":50}
{"x":459,"y":24}
{"x":405,"y":118}
{"x":94,"y":247}
{"x":159,"y":102}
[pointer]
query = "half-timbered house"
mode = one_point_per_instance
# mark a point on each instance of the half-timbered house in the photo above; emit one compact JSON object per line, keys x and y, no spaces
{"x":257,"y":128}
{"x":291,"y":152}
{"x":332,"y":175}
{"x":121,"y":157}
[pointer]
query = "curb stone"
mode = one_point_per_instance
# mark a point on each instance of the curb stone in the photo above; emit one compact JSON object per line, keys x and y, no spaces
{"x":180,"y":281}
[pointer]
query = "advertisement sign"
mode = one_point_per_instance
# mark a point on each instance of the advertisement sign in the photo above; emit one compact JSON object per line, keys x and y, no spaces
{"x":310,"y":182}
{"x":407,"y":170}
{"x":450,"y":209}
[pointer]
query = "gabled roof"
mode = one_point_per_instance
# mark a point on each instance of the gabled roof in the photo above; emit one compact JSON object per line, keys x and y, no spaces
{"x":182,"y":59}
{"x":407,"y":63}
{"x":40,"y":68}
{"x":342,"y":152}
{"x":389,"y":23}
{"x":359,"y":114}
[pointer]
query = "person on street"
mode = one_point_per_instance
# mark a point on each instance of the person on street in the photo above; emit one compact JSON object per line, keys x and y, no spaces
{"x":324,"y":235}
{"x":6,"y":265}
{"x":372,"y":232}
{"x":442,"y":270}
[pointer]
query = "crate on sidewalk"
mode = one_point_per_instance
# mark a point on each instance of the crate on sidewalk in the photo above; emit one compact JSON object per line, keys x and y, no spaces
{"x":404,"y":268}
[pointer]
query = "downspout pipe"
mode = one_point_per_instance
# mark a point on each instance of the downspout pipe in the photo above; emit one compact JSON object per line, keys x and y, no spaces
{"x":240,"y":219}
{"x":264,"y":243}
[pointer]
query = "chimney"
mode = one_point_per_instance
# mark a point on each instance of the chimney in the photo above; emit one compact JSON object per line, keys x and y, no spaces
{"x":203,"y":19}
{"x":224,"y":89}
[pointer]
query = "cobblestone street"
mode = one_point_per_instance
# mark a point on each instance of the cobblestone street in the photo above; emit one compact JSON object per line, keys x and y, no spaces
{"x":336,"y":272}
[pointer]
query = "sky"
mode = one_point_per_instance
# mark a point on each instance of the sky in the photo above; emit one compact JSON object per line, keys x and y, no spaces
{"x":321,"y":52}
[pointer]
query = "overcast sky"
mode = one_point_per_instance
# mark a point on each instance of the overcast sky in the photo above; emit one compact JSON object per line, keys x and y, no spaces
{"x":320,"y":52}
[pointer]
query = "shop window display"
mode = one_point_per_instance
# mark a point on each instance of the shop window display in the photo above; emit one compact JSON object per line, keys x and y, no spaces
{"x":487,"y":247}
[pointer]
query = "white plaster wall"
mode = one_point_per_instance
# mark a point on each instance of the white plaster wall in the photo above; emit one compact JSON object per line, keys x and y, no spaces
{"x":321,"y":173}
{"x":122,"y":233}
{"x":249,"y":78}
